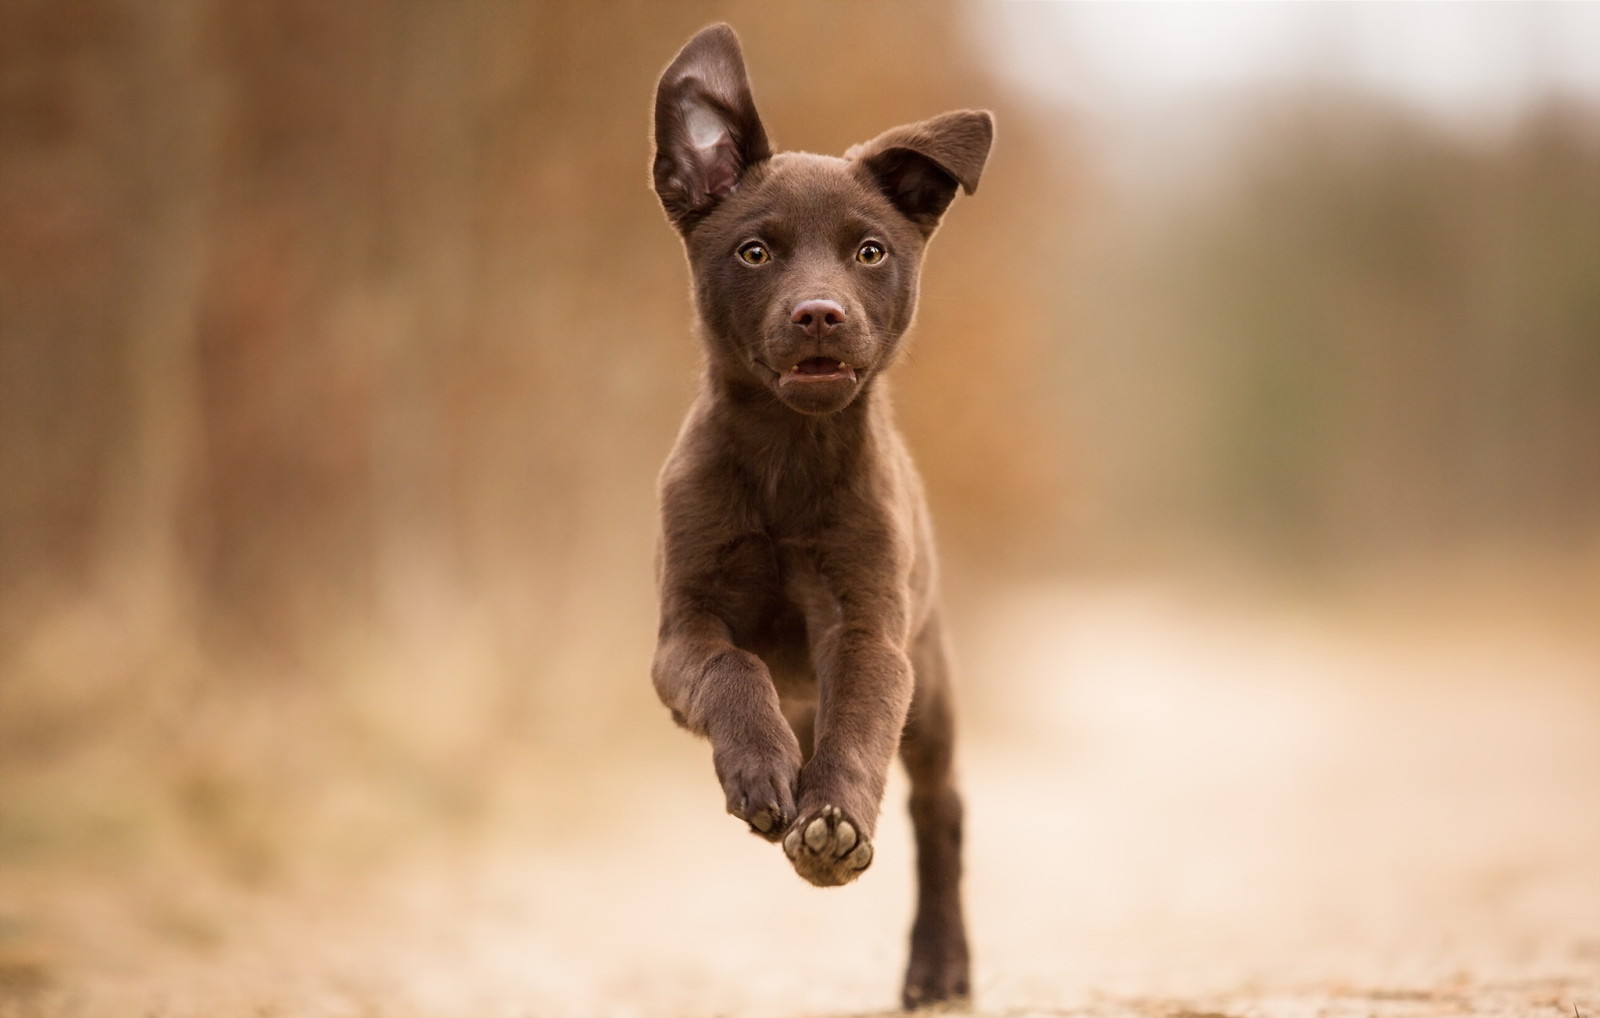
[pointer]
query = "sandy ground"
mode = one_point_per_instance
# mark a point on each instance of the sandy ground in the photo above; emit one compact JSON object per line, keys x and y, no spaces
{"x":1176,"y":809}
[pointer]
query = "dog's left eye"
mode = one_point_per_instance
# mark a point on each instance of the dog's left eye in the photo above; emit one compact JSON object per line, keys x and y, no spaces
{"x":754,"y":253}
{"x":870,"y":253}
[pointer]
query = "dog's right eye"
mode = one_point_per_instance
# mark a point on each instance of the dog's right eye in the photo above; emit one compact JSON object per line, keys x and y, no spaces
{"x":754,"y":253}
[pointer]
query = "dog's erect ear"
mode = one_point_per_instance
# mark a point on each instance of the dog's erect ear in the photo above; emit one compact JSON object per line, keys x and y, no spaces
{"x":918,"y":166}
{"x":707,"y":131}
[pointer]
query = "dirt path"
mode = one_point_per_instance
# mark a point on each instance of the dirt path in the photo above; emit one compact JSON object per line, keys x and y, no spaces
{"x":1176,"y":810}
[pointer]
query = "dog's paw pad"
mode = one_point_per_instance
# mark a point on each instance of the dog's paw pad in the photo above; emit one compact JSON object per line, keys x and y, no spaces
{"x":826,"y":848}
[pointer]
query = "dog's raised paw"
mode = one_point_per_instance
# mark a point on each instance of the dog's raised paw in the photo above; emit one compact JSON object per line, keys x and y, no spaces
{"x":760,"y":788}
{"x":826,"y":848}
{"x":766,"y":818}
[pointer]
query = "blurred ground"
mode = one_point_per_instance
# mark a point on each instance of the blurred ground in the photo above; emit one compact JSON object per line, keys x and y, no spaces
{"x":1180,"y":805}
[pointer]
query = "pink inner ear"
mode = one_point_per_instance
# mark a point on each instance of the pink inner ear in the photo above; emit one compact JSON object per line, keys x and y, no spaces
{"x":705,"y":128}
{"x":714,"y":152}
{"x":719,"y":164}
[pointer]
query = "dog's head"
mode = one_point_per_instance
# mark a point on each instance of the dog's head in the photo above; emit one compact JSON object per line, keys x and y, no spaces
{"x":805,"y":267}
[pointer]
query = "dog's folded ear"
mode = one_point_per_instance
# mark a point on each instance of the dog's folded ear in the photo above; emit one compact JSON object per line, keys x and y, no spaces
{"x":707,"y":132}
{"x":919,"y":166}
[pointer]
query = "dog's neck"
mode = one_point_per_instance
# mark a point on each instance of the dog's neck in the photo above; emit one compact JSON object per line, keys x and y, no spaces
{"x":769,"y":437}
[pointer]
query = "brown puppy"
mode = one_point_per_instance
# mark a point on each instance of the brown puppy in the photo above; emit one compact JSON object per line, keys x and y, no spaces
{"x":799,"y":619}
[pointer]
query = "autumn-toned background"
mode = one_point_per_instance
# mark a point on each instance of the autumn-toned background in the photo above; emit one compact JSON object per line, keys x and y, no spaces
{"x":340,"y":344}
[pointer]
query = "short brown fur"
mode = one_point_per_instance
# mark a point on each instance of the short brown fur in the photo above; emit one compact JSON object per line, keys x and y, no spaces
{"x":800,"y":628}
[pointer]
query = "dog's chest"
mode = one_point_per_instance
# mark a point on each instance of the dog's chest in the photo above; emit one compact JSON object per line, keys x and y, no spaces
{"x":762,"y":576}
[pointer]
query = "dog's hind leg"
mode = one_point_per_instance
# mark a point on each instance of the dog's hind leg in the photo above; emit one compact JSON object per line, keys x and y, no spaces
{"x":938,"y":970}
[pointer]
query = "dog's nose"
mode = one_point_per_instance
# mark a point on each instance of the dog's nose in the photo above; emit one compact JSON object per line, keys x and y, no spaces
{"x":817,"y":318}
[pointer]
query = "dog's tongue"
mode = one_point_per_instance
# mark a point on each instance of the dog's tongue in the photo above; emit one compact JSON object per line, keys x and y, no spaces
{"x":819,"y":366}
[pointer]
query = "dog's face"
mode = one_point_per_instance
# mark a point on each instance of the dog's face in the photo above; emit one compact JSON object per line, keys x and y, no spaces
{"x":805,"y":267}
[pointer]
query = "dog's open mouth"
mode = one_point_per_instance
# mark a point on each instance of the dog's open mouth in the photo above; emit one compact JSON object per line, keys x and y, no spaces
{"x":820,"y":369}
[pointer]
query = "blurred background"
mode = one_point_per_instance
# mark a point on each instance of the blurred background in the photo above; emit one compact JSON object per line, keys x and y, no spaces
{"x":340,"y":345}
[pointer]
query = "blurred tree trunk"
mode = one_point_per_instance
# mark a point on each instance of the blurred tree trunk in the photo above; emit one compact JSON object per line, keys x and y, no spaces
{"x":172,"y":102}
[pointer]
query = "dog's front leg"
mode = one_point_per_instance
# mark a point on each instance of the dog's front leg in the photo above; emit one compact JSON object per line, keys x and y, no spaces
{"x":864,"y":687}
{"x":726,"y":694}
